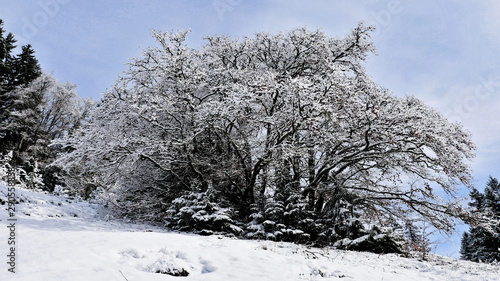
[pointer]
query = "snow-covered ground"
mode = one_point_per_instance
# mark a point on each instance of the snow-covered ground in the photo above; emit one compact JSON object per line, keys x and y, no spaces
{"x":62,"y":239}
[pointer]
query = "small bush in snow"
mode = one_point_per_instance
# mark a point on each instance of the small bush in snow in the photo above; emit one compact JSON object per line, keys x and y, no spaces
{"x":196,"y":212}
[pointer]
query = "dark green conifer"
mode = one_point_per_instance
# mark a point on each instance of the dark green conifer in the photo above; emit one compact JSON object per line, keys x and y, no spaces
{"x":482,"y":242}
{"x":16,"y":71}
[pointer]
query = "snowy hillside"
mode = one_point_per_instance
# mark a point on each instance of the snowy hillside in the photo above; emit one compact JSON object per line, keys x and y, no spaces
{"x":62,"y":239}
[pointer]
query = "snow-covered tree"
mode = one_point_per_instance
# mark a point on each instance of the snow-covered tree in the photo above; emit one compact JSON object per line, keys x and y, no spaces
{"x":46,"y":110}
{"x":482,"y":241}
{"x":15,"y":71}
{"x":43,"y":110}
{"x":288,"y":114}
{"x":35,"y":109}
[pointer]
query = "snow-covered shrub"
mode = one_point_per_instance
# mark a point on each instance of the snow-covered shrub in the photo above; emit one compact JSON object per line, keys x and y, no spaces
{"x":34,"y":179}
{"x":5,"y":167}
{"x":31,"y":180}
{"x":196,"y":212}
{"x":284,"y":220}
{"x":174,"y":264}
{"x":377,"y":240}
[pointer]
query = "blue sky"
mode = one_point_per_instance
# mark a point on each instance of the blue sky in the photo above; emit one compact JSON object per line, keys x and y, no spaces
{"x":443,"y":52}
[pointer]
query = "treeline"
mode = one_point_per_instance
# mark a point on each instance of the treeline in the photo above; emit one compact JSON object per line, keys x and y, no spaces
{"x":279,"y":136}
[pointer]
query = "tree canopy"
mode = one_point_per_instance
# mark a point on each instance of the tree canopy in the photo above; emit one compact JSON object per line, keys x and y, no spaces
{"x":289,"y":122}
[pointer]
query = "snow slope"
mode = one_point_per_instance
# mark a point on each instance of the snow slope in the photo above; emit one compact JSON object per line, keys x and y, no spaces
{"x":62,"y":239}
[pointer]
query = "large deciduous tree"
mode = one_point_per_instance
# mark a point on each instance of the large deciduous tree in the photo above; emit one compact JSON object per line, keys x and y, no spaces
{"x":255,"y":122}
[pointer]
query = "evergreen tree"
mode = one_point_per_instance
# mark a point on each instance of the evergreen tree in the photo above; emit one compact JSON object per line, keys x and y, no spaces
{"x":16,"y":72}
{"x":482,"y":242}
{"x":7,"y":44}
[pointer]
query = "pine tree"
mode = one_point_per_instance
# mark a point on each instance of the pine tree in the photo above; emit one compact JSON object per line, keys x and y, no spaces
{"x":6,"y":47}
{"x":16,"y":72}
{"x":25,"y":66}
{"x":7,"y":44}
{"x":482,"y":242}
